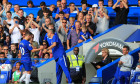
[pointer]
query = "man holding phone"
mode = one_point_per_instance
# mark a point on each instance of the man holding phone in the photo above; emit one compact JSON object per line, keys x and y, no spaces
{"x":16,"y":31}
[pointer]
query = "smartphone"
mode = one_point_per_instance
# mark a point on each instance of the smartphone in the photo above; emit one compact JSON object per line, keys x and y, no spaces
{"x":16,"y":22}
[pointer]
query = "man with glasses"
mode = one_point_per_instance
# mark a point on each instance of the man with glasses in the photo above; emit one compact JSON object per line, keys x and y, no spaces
{"x":6,"y":51}
{"x":77,"y":67}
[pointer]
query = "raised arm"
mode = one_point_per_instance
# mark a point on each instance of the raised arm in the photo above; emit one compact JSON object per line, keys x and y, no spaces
{"x":115,"y":5}
{"x":125,"y":4}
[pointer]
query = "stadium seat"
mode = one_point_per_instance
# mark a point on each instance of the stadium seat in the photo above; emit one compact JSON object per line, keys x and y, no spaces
{"x":135,"y":78}
{"x":96,"y":80}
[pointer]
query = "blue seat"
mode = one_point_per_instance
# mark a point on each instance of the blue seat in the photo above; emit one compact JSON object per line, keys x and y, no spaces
{"x":4,"y":77}
{"x":96,"y":80}
{"x":135,"y":78}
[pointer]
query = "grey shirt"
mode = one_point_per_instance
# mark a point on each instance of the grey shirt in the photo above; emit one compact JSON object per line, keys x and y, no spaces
{"x":43,"y":21}
{"x":59,"y":23}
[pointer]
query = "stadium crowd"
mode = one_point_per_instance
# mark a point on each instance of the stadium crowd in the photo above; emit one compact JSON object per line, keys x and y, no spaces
{"x":70,"y":30}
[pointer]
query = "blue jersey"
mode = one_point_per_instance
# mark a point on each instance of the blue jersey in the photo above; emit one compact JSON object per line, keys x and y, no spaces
{"x":25,"y":49}
{"x":58,"y":50}
{"x":66,"y":11}
{"x":86,"y":35}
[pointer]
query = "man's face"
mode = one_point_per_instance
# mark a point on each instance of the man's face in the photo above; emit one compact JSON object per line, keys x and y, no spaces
{"x":77,"y":25}
{"x":9,"y":7}
{"x":7,"y":39}
{"x":104,"y":53}
{"x":52,"y":7}
{"x":36,"y":60}
{"x":5,"y":49}
{"x":58,"y":4}
{"x":61,"y":16}
{"x":110,"y":4}
{"x":64,"y":22}
{"x":13,"y":47}
{"x":2,"y":56}
{"x":47,"y":21}
{"x":20,"y":13}
{"x":100,"y":3}
{"x":16,"y":8}
{"x":72,"y":6}
{"x":76,"y":51}
{"x":84,"y":6}
{"x":88,"y":18}
{"x":121,"y":5}
{"x":17,"y":66}
{"x":42,"y":7}
{"x":63,"y":3}
{"x":30,"y":5}
{"x":51,"y":27}
{"x":8,"y":15}
{"x":45,"y":14}
{"x":125,"y":51}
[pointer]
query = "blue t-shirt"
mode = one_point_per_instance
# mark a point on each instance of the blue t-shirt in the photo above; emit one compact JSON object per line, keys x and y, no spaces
{"x":6,"y":62}
{"x":33,"y":64}
{"x":58,"y":50}
{"x":86,"y":35}
{"x":25,"y":49}
{"x":66,"y":11}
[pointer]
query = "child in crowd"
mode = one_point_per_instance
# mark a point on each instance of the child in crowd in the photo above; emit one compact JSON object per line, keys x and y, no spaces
{"x":16,"y":75}
{"x":45,"y":57}
{"x":72,"y":25}
{"x":84,"y":34}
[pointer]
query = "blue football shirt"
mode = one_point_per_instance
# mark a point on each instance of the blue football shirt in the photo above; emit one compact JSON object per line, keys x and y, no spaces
{"x":25,"y":49}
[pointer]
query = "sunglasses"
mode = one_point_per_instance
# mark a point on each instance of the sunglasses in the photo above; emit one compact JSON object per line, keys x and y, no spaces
{"x":64,"y":22}
{"x":5,"y":49}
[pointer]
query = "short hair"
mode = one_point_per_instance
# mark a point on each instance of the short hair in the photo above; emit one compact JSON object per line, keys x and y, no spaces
{"x":106,"y":50}
{"x":78,"y":22}
{"x":21,"y":10}
{"x":88,"y":15}
{"x":71,"y":3}
{"x":52,"y":30}
{"x":84,"y":26}
{"x":61,"y":12}
{"x":28,"y":33}
{"x":71,"y":18}
{"x":77,"y":48}
{"x":64,"y":19}
{"x":51,"y":24}
{"x":31,"y":14}
{"x":52,"y":5}
{"x":13,"y":44}
{"x":36,"y":55}
{"x":45,"y":10}
{"x":19,"y":63}
{"x":101,"y":0}
{"x":127,"y":47}
{"x":30,"y":2}
{"x":46,"y":53}
{"x":9,"y":3}
{"x":17,"y":5}
{"x":8,"y":12}
{"x":58,"y":0}
{"x":16,"y":18}
{"x":42,"y":3}
{"x":2,"y":53}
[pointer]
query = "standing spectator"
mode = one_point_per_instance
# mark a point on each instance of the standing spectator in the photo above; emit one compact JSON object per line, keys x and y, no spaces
{"x":6,"y":52}
{"x":59,"y":22}
{"x":6,"y":8}
{"x":35,"y":29}
{"x":72,"y":8}
{"x":58,"y":3}
{"x":64,"y":9}
{"x":77,"y":67}
{"x":2,"y":35}
{"x":121,"y":12}
{"x":72,"y":25}
{"x":14,"y":52}
{"x":102,"y":21}
{"x":110,"y":3}
{"x":101,"y":5}
{"x":74,"y":35}
{"x":90,"y":25}
{"x":125,"y":65}
{"x":7,"y":42}
{"x":59,"y":56}
{"x":16,"y":9}
{"x":40,"y":12}
{"x":21,"y":17}
{"x":81,"y":17}
{"x":84,"y":9}
{"x":16,"y":31}
{"x":138,"y":3}
{"x":30,"y":4}
{"x":62,"y":32}
{"x":84,"y":35}
{"x":91,"y":12}
{"x":52,"y":8}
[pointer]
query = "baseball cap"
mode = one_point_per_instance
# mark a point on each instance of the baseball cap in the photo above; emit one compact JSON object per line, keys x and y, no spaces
{"x":94,"y":5}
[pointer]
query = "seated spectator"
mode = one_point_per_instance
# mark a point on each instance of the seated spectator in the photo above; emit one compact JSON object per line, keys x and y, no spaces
{"x":7,"y":42}
{"x":52,"y":8}
{"x":45,"y":15}
{"x":101,"y":5}
{"x":62,"y":32}
{"x":2,"y":35}
{"x":5,"y":64}
{"x":35,"y":29}
{"x":59,"y":22}
{"x":8,"y":22}
{"x":90,"y":25}
{"x":138,"y":3}
{"x":21,"y":17}
{"x":40,"y":12}
{"x":30,"y":4}
{"x":121,"y":12}
{"x":16,"y":31}
{"x":14,"y":52}
{"x":105,"y":59}
{"x":81,"y":17}
{"x":64,"y":9}
{"x":16,"y":9}
{"x":74,"y":35}
{"x":6,"y":8}
{"x":35,"y":45}
{"x":72,"y":8}
{"x":110,"y":3}
{"x":84,"y":9}
{"x":36,"y":60}
{"x":84,"y":34}
{"x":102,"y":21}
{"x":16,"y":75}
{"x":45,"y":57}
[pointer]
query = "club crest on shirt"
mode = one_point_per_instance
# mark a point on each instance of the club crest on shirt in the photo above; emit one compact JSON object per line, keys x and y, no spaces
{"x":30,"y":45}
